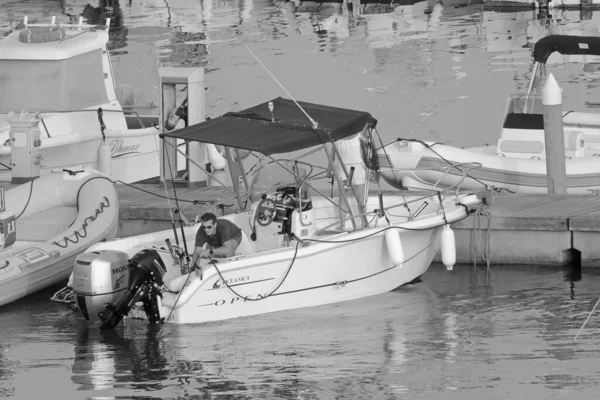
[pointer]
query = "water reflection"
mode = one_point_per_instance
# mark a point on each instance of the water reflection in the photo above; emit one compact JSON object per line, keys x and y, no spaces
{"x":508,"y":323}
{"x":105,"y":360}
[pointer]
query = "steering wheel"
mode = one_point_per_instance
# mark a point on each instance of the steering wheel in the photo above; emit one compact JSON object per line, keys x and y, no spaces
{"x":265,"y":212}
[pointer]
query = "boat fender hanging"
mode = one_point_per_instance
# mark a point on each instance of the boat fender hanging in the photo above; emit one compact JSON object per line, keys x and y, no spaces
{"x":217,"y":161}
{"x":42,"y":34}
{"x":104,"y":158}
{"x":448,"y":247}
{"x":394,"y":246}
{"x":243,"y":153}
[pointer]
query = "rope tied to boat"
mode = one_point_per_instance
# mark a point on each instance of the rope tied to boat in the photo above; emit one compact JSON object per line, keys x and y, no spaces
{"x":102,"y":126}
{"x":481,"y":246}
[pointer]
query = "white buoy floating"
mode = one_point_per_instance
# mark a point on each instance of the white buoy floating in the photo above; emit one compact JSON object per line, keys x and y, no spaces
{"x":104,"y":158}
{"x":448,"y":247}
{"x":394,"y":246}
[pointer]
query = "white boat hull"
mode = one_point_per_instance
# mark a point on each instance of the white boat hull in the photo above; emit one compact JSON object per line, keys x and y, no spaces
{"x":413,"y":165}
{"x":320,"y":274}
{"x":134,"y":154}
{"x":332,"y":268}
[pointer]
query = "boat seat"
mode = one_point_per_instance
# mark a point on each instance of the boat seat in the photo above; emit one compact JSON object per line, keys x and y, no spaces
{"x":45,"y":224}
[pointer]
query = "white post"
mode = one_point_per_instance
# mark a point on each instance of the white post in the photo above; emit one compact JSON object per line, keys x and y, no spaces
{"x":197,"y":151}
{"x":168,"y":154}
{"x":554,"y":135}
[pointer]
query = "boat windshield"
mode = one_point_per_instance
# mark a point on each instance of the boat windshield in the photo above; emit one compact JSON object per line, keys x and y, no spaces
{"x":271,"y":176}
{"x":524,"y":104}
{"x":52,"y":85}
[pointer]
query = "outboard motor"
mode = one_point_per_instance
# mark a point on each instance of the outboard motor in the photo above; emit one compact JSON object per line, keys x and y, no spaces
{"x":146,"y":271}
{"x":99,"y":277}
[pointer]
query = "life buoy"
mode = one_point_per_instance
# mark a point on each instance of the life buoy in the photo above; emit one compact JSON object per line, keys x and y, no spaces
{"x":42,"y":34}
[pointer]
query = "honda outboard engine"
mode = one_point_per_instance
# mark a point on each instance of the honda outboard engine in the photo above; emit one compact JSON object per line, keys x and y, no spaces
{"x":99,"y":277}
{"x":146,"y":270}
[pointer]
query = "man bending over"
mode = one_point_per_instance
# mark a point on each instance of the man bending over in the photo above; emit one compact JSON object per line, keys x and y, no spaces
{"x":216,"y":238}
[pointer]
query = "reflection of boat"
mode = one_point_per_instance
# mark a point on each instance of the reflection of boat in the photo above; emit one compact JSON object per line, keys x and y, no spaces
{"x":294,"y":252}
{"x":64,"y":72}
{"x":512,"y":4}
{"x":102,"y":358}
{"x":406,"y":22}
{"x":47,"y":223}
{"x":518,"y":161}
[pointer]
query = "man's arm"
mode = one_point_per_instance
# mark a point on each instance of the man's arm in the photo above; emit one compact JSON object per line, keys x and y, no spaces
{"x":227,"y":250}
{"x":199,"y":251}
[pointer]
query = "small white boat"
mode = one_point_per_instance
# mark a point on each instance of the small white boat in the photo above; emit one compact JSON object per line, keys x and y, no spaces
{"x":518,"y":161}
{"x":64,"y":73}
{"x":49,"y":221}
{"x":298,"y":248}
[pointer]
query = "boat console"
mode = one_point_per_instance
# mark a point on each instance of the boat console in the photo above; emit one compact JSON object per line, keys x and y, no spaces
{"x":289,"y":209}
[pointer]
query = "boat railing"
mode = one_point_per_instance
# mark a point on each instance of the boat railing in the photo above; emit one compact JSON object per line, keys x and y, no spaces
{"x":92,"y":110}
{"x":411,"y":197}
{"x":463,"y":168}
{"x":79,"y":26}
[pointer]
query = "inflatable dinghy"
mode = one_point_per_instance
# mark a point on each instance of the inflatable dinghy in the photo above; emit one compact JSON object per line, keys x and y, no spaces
{"x":46,"y":223}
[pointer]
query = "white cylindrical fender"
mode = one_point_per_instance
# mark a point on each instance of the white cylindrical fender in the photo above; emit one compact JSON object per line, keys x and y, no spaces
{"x":448,"y":247}
{"x":105,"y":160}
{"x":394,"y":246}
{"x":243,"y":153}
{"x":217,"y":161}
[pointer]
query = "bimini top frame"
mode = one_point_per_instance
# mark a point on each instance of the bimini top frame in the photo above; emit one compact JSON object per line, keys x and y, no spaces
{"x":282,"y":126}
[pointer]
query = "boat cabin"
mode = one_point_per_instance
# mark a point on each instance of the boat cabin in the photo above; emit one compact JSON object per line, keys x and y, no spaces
{"x":60,"y":71}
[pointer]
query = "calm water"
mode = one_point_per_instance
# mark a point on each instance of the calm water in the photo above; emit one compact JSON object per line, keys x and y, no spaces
{"x":505,"y":333}
{"x":469,"y":333}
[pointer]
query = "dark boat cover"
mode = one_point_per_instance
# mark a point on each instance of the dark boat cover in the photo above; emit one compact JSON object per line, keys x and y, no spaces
{"x":565,"y":44}
{"x":252,"y":129}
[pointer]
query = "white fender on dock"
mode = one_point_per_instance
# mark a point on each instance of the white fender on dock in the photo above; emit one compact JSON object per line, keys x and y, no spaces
{"x":448,"y":247}
{"x":394,"y":245}
{"x":104,"y":158}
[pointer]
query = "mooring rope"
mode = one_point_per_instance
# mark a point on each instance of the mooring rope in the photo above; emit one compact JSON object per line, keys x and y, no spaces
{"x":480,"y":241}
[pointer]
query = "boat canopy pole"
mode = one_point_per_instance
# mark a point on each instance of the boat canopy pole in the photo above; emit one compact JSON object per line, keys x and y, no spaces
{"x":533,"y":75}
{"x":306,"y":182}
{"x":340,"y":184}
{"x":199,"y":166}
{"x":236,"y":170}
{"x":361,"y":209}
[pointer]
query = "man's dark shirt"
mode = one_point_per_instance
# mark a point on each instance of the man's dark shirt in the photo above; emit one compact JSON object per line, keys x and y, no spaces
{"x":226,"y":230}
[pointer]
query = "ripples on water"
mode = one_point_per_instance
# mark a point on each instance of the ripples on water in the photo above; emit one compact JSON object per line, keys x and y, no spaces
{"x":446,"y":75}
{"x":502,"y":333}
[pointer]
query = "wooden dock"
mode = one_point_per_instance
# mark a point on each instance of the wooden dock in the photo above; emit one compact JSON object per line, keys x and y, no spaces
{"x":517,"y":228}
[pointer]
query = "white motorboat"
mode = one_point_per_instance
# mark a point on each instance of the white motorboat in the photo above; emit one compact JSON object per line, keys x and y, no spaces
{"x":299,"y":248}
{"x":518,"y":161}
{"x":63,"y":72}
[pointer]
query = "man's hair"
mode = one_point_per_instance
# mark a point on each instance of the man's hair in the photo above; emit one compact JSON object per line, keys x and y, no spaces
{"x":208,"y":217}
